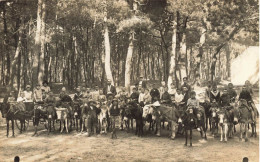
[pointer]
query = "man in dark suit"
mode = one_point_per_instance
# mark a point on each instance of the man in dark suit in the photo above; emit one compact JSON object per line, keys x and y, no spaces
{"x":142,"y":83}
{"x":109,"y":90}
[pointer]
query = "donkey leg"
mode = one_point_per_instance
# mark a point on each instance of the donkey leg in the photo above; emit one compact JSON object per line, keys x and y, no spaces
{"x":225,"y":131}
{"x":62,"y":126}
{"x":13,"y":127}
{"x":246,"y":129}
{"x":241,"y":132}
{"x":221,"y":133}
{"x":7,"y":128}
{"x":66,"y":124}
{"x":173,"y":130}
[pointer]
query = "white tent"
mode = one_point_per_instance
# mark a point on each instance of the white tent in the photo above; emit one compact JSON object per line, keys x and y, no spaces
{"x":246,"y":67}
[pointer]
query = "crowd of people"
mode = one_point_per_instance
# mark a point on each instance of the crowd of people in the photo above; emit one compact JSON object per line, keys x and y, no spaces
{"x":183,"y":96}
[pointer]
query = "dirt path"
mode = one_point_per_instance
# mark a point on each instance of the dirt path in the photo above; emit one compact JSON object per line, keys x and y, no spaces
{"x":78,"y":147}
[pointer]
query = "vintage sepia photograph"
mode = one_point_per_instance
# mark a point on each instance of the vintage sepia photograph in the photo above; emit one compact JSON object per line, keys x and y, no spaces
{"x":129,"y":80}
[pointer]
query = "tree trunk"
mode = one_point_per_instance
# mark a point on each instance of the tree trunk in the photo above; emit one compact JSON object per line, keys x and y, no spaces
{"x":128,"y":64}
{"x":107,"y":51}
{"x":15,"y":59}
{"x":173,"y":54}
{"x":228,"y":69}
{"x":42,"y":39}
{"x":37,"y":45}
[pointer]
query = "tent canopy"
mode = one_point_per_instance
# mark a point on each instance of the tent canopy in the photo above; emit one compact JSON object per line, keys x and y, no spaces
{"x":246,"y":67}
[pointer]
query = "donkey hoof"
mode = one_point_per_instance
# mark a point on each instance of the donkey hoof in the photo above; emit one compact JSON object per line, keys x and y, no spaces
{"x":246,"y":140}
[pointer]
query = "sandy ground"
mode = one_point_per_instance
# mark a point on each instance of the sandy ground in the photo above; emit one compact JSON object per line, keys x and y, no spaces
{"x":77,"y":147}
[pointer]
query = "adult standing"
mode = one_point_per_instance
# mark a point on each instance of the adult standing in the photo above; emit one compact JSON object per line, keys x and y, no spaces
{"x":95,"y":93}
{"x":142,"y":82}
{"x":155,"y":94}
{"x":109,"y":90}
{"x":161,"y":89}
{"x":186,"y":84}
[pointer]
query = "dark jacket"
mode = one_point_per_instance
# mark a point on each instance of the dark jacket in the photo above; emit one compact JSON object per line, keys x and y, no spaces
{"x":112,"y":90}
{"x":134,"y":96}
{"x":245,"y":95}
{"x":166,"y":98}
{"x":225,"y":100}
{"x":143,"y":84}
{"x":186,"y":97}
{"x":155,"y":93}
{"x":215,"y":96}
{"x":232,"y":93}
{"x":114,"y":111}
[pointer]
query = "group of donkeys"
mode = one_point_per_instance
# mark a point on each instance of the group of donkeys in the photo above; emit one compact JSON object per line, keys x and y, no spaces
{"x":181,"y":119}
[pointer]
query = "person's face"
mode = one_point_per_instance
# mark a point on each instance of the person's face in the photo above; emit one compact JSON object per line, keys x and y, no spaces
{"x":193,"y":96}
{"x":142,"y":90}
{"x":178,"y":91}
{"x":244,"y":89}
{"x":88,"y":90}
{"x":115,"y":103}
{"x":83,"y":89}
{"x":163,"y":83}
{"x":44,"y":84}
{"x":225,"y":91}
{"x":230,"y":86}
{"x":109,"y":82}
{"x":100,"y":92}
{"x":78,"y":90}
{"x":214,"y":88}
{"x":185,"y":89}
{"x":134,"y":90}
{"x":96,"y":88}
{"x":146,"y":91}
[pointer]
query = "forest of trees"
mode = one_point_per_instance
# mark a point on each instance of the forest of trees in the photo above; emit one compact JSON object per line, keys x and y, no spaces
{"x":88,"y":41}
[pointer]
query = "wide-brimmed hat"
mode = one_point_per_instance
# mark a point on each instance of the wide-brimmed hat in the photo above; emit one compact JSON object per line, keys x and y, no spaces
{"x":28,"y":86}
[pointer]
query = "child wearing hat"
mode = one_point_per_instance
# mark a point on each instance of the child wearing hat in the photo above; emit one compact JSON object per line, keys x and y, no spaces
{"x":114,"y":113}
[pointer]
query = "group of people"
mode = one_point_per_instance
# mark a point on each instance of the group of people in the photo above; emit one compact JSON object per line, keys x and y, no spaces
{"x":108,"y":98}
